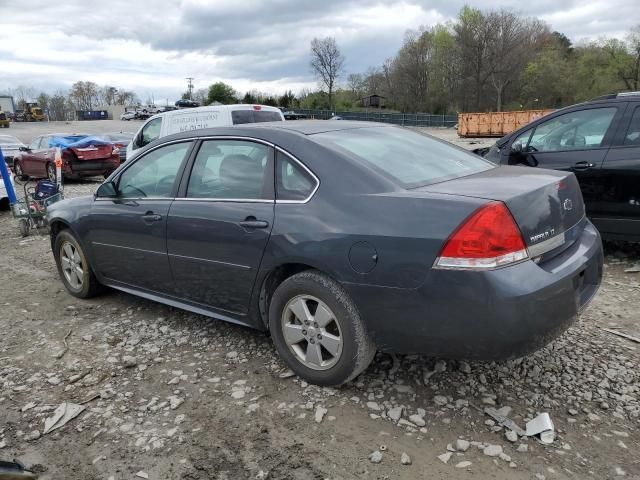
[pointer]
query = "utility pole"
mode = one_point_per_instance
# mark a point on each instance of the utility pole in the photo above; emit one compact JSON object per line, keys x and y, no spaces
{"x":190,"y":86}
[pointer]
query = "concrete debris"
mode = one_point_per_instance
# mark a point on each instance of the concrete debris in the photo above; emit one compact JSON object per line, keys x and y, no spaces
{"x":511,"y":436}
{"x":462,"y":445}
{"x":417,"y":420}
{"x":445,"y":457}
{"x":129,"y":361}
{"x":492,"y":450}
{"x":376,"y":457}
{"x":395,"y":413}
{"x":320,"y":413}
{"x":142,"y":474}
{"x":405,"y":459}
{"x":440,"y":400}
{"x":463,"y":464}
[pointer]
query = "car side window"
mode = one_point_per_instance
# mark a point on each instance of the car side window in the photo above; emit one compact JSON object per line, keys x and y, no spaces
{"x":154,"y":174}
{"x":633,"y":133}
{"x":35,"y":143}
{"x":231,"y":169}
{"x":579,"y":130}
{"x":292,"y":181}
{"x":150,"y":132}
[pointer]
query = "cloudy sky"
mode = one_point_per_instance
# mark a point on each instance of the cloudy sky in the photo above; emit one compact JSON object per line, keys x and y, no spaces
{"x":151,"y":46}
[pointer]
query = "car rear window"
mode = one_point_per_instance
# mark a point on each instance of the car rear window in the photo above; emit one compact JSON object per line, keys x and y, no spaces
{"x":254,"y":116}
{"x":410,"y":158}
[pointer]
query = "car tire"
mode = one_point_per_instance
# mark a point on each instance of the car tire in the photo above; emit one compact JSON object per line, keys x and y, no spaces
{"x":68,"y":255}
{"x":51,"y":172}
{"x":334,"y":347}
{"x":17,"y":169}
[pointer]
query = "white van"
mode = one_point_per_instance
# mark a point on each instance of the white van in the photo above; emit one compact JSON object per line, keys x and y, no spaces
{"x":176,"y":121}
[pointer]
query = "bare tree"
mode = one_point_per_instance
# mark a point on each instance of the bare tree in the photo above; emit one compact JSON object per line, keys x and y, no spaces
{"x":327,"y":63}
{"x":513,"y":42}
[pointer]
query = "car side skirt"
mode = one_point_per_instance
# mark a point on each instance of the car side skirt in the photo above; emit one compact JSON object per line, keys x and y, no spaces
{"x":172,"y":302}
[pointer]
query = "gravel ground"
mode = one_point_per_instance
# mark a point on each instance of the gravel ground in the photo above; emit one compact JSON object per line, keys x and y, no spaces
{"x":172,"y":395}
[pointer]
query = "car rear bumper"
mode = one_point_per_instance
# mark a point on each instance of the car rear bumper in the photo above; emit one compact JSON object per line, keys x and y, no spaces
{"x":90,"y":168}
{"x":497,"y":314}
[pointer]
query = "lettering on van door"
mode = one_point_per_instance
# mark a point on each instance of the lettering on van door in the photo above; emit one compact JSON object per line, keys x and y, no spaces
{"x":186,"y":123}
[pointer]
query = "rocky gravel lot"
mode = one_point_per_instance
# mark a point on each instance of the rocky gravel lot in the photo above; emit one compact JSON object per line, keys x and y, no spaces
{"x":172,"y":395}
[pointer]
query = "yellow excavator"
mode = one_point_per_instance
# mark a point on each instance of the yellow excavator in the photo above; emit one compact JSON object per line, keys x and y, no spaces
{"x":31,"y":113}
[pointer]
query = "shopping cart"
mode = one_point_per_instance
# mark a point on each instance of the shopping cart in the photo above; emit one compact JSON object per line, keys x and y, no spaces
{"x":31,"y":211}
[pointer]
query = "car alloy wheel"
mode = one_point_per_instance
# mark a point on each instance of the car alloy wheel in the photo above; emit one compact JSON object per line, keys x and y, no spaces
{"x":312,"y":332}
{"x":72,"y":265}
{"x":18,"y":169}
{"x":51,"y":172}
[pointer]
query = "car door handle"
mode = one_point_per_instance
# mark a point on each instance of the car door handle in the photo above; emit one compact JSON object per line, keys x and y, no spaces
{"x":151,"y":217}
{"x":251,"y":222}
{"x":583,"y":166}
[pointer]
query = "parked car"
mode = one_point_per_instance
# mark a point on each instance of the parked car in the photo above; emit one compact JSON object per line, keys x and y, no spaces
{"x":120,"y":140}
{"x":90,"y":158}
{"x":187,"y":104}
{"x":599,"y":141}
{"x":291,"y":115}
{"x":181,"y":120}
{"x":10,"y":148}
{"x":4,"y":198}
{"x":415,"y":246}
{"x":128,"y":116}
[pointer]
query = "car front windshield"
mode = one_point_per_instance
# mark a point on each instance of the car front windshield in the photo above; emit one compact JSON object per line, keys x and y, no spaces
{"x":410,"y":158}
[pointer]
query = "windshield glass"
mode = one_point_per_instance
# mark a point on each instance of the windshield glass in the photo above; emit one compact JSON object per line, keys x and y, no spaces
{"x":408,"y":157}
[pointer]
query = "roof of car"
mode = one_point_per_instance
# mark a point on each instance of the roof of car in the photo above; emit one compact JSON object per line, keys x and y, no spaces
{"x":311,"y":127}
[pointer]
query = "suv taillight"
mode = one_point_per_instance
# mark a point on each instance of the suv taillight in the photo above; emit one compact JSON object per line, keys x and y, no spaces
{"x":489,"y":238}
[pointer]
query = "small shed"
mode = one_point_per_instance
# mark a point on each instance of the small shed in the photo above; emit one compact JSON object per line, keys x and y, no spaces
{"x":373,"y":101}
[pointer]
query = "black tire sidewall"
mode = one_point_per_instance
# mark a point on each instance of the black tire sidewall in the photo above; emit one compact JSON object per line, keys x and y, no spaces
{"x":86,"y":290}
{"x":315,"y":284}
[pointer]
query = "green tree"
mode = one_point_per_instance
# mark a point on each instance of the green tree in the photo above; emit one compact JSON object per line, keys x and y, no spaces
{"x":223,"y":93}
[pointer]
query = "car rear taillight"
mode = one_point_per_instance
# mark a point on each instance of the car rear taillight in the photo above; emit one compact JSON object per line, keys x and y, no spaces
{"x":257,"y":107}
{"x":489,"y":238}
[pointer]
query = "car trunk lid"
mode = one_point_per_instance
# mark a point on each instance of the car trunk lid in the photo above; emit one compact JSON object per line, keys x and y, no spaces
{"x":92,"y":152}
{"x":544,"y":203}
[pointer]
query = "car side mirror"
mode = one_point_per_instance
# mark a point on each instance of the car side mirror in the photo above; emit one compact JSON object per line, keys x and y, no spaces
{"x":107,"y":190}
{"x":517,"y":148}
{"x":24,"y":149}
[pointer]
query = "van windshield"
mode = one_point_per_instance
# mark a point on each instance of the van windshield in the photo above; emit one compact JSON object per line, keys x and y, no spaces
{"x":254,"y":116}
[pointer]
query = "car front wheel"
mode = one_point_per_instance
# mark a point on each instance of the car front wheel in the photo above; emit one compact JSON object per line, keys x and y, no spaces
{"x":317,"y":329}
{"x":73,"y":267}
{"x":17,"y":168}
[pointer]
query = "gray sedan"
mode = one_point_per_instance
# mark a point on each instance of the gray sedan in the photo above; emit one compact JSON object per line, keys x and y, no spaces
{"x":340,"y":238}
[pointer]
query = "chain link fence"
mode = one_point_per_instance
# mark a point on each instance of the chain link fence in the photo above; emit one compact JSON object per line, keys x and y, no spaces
{"x":406,"y":119}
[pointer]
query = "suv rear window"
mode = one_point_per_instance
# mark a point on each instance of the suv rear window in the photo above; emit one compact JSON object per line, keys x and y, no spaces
{"x":410,"y":158}
{"x":254,"y":116}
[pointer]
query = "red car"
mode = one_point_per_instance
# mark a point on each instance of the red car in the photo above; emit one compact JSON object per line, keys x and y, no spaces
{"x":37,"y":160}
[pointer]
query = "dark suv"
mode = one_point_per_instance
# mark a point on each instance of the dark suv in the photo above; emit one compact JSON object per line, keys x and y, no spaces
{"x":599,"y":141}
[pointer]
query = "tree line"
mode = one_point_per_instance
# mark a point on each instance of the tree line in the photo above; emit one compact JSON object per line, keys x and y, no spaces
{"x":484,"y":61}
{"x":82,"y":95}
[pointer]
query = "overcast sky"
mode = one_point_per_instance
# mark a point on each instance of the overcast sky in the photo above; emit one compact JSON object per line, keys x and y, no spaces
{"x":247,"y":43}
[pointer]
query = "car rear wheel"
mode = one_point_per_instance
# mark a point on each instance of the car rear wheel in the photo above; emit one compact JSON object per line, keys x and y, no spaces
{"x":317,"y":329}
{"x":17,"y":168}
{"x":73,"y":267}
{"x":51,"y":172}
